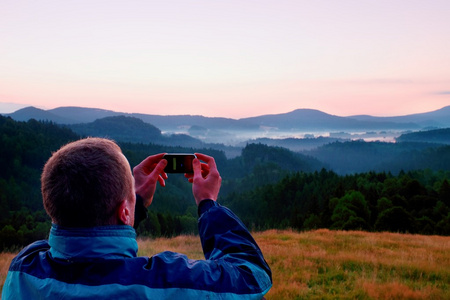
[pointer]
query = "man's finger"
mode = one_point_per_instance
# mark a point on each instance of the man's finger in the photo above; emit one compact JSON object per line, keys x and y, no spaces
{"x":161,"y":181}
{"x":197,"y":166}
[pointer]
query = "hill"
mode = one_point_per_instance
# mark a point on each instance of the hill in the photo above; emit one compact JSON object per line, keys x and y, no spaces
{"x":133,"y":130}
{"x":24,"y":149}
{"x":438,"y":136}
{"x":120,"y":128}
{"x":296,"y":144}
{"x":359,"y":156}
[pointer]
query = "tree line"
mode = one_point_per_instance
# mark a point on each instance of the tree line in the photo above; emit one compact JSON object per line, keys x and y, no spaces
{"x":414,"y":202}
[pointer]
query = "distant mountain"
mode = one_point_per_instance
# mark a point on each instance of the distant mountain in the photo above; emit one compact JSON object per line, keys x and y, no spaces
{"x":62,"y":115}
{"x":311,"y":119}
{"x":74,"y":115}
{"x":437,"y":118}
{"x":77,"y":115}
{"x":31,"y":112}
{"x":181,"y":121}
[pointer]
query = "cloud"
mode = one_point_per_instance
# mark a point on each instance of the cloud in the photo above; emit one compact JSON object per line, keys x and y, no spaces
{"x":443,"y":93}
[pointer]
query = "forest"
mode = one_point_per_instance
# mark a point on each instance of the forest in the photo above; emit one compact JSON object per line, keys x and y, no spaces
{"x":266,"y":186}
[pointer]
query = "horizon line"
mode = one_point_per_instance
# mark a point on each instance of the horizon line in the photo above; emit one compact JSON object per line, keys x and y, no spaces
{"x":199,"y":115}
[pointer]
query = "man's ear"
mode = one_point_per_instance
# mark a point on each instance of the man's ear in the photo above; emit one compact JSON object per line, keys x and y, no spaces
{"x":124,"y":214}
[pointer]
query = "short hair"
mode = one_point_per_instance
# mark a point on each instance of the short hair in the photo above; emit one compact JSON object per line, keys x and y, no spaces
{"x":84,"y":182}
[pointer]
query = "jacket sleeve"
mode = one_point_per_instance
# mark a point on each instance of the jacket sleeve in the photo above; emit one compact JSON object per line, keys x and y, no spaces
{"x":227,"y":242}
{"x":234,"y":267}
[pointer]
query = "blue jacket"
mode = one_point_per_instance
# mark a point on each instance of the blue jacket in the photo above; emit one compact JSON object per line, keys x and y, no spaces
{"x":102,"y":262}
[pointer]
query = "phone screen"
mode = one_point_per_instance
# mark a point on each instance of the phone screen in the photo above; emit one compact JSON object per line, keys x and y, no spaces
{"x":179,"y":163}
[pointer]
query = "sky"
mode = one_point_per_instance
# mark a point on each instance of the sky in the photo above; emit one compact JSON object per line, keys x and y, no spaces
{"x":226,"y":58}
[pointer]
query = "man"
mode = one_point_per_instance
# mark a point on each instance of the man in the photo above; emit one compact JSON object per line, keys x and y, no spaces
{"x":89,"y":192}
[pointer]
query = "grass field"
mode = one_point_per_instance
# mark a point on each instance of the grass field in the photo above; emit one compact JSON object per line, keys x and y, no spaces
{"x":326,"y":264}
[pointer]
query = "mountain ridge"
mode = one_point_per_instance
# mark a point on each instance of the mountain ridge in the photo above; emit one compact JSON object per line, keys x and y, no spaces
{"x":437,"y":117}
{"x":294,"y":119}
{"x":316,"y":119}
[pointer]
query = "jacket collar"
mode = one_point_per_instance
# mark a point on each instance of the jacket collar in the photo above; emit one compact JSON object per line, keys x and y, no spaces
{"x":104,"y":242}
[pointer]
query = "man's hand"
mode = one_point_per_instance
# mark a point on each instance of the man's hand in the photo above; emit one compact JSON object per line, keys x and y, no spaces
{"x":206,"y":179}
{"x":147,"y":174}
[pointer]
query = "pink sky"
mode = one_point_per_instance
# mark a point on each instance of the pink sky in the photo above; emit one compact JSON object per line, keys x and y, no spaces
{"x":226,"y":58}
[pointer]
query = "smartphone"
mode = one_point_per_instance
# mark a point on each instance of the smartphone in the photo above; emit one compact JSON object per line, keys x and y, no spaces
{"x":179,"y":163}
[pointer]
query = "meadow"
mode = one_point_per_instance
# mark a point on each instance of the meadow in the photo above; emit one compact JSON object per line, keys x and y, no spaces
{"x":325,"y":264}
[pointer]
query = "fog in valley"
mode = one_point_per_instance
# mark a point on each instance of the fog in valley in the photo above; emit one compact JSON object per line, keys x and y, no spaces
{"x":241,"y":137}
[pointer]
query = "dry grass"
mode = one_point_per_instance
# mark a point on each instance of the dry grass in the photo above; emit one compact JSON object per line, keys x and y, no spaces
{"x":326,"y":264}
{"x":186,"y":244}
